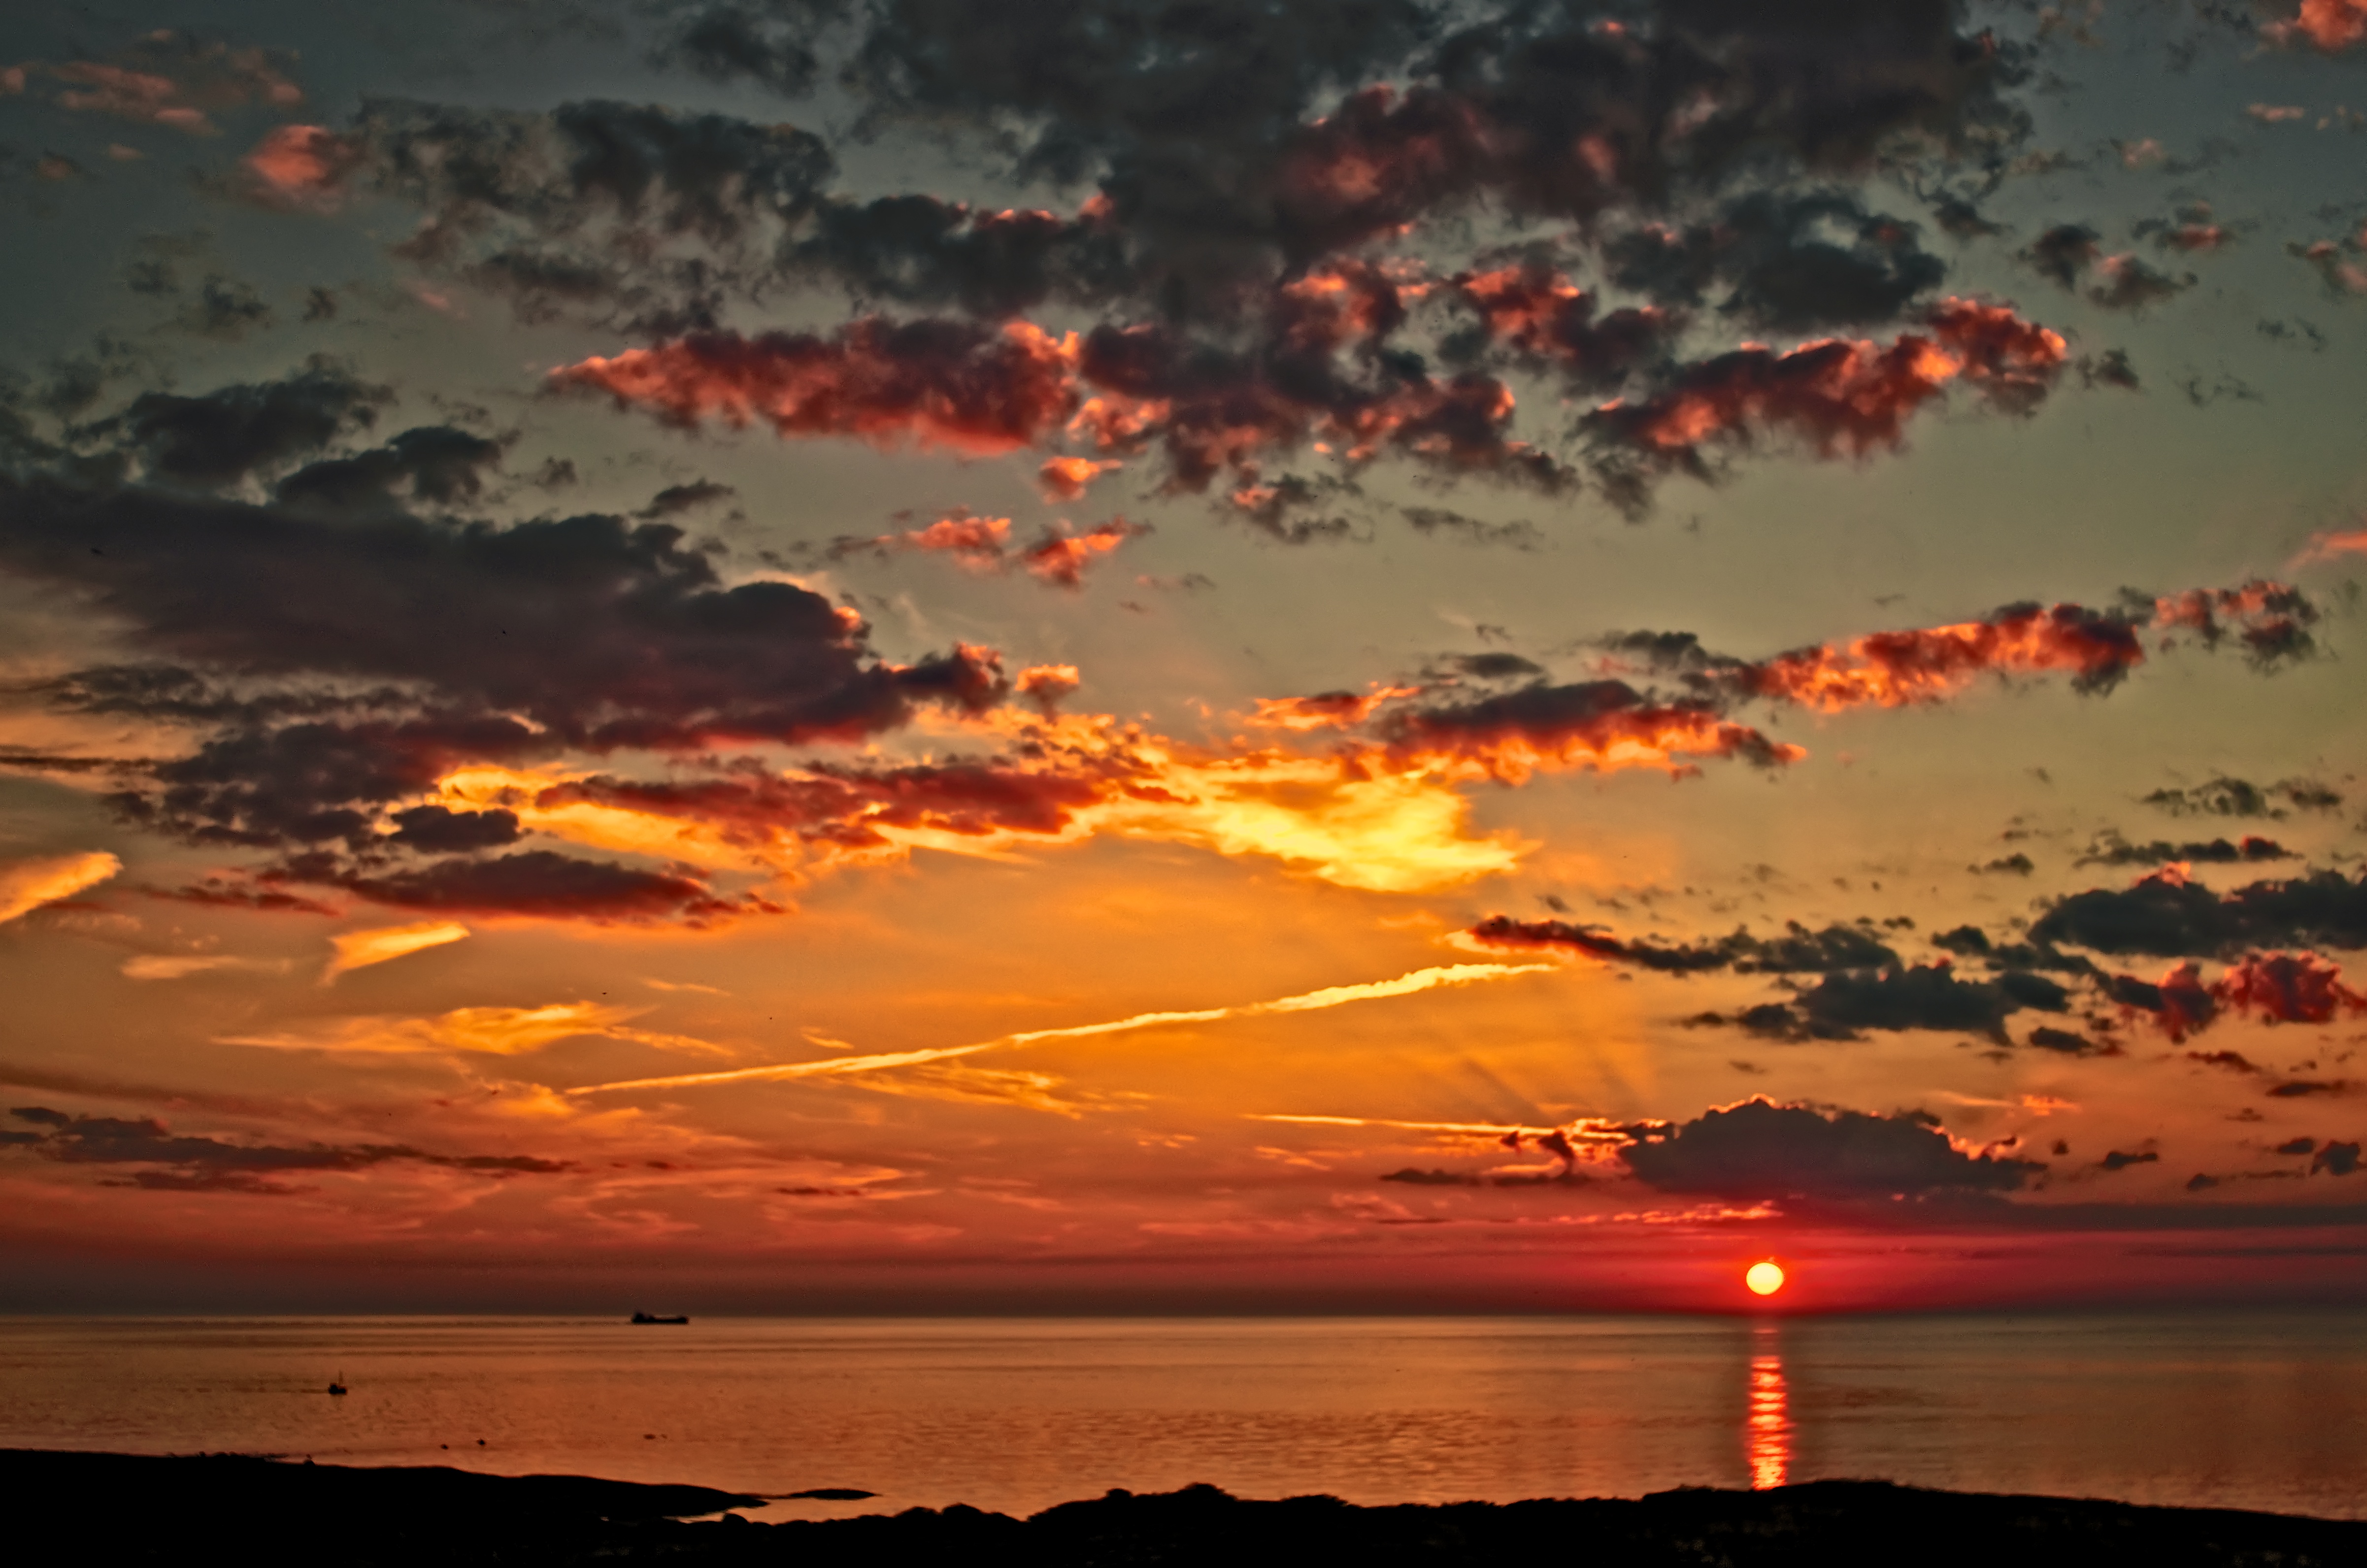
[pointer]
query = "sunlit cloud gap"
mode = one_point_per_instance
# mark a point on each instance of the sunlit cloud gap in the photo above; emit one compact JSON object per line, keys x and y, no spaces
{"x":1308,"y":1002}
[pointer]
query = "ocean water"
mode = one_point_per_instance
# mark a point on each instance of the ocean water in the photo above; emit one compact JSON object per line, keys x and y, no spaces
{"x":2253,"y":1411}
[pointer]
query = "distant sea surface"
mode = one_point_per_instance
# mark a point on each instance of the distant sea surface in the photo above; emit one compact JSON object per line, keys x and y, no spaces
{"x":2245,"y":1410}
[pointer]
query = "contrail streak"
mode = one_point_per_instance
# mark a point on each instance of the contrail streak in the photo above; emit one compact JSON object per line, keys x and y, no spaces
{"x":1487,"y":1127}
{"x":1312,"y":1000}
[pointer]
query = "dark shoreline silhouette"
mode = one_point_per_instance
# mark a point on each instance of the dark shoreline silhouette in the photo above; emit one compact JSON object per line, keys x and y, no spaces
{"x":141,"y":1508}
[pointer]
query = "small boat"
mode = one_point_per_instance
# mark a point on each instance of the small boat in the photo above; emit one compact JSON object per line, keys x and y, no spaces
{"x":654,"y":1317}
{"x":338,"y":1385}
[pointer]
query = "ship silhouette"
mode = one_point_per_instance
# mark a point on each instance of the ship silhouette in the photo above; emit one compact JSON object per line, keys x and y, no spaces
{"x":655,"y":1317}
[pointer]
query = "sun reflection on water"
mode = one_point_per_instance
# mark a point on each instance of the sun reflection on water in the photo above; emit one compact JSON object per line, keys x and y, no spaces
{"x":1767,"y":1432}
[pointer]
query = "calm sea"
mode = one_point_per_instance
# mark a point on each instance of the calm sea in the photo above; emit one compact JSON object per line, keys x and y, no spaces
{"x":2242,"y":1411}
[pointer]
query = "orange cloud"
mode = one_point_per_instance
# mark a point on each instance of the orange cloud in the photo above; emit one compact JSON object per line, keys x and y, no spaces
{"x":1057,"y":558}
{"x":173,"y":80}
{"x":1890,"y":669}
{"x":2332,"y":545}
{"x":300,"y":165}
{"x":1347,"y":301}
{"x":1060,"y":559}
{"x":978,"y":542}
{"x":953,"y":384}
{"x":180,"y":966}
{"x":1326,"y":709}
{"x":2294,"y":988}
{"x":981,"y":390}
{"x":2331,"y":25}
{"x":1067,"y":780}
{"x":1842,"y":396}
{"x":1065,"y":479}
{"x":26,"y":885}
{"x":1539,"y":313}
{"x":489,"y":1031}
{"x":1045,"y":684}
{"x":360,"y":949}
{"x":1602,"y":725}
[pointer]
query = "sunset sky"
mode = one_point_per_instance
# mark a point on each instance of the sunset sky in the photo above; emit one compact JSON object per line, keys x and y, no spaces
{"x":898,"y":655}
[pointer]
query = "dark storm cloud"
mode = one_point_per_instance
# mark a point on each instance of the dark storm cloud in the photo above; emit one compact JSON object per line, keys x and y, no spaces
{"x":652,"y":218}
{"x":1794,"y":263}
{"x":223,"y":437}
{"x":439,"y":830}
{"x":2111,"y":850}
{"x":608,"y":632}
{"x":1293,"y":509}
{"x":538,"y":882}
{"x":178,"y":1163}
{"x":255,"y":784}
{"x":337,"y":653}
{"x":918,"y":250}
{"x":1241,"y":153}
{"x":1972,"y":942}
{"x":2118,"y":1160}
{"x":2109,"y":369}
{"x":1413,"y":1175}
{"x":1921,"y":996}
{"x":636,"y":214}
{"x":2065,"y":1043}
{"x":2070,"y":252}
{"x":2063,"y":253}
{"x":1488,"y":666}
{"x":670,"y":173}
{"x":1219,"y":408}
{"x":1864,"y":983}
{"x":1198,"y":124}
{"x":1505,"y":734}
{"x":2302,"y":1088}
{"x":2336,"y":1159}
{"x":2168,"y":917}
{"x":434,"y":465}
{"x":773,"y":45}
{"x":2241,"y":798}
{"x":2130,"y":283}
{"x":1758,"y":1149}
{"x":1442,"y":522}
{"x":1798,"y":950}
{"x":1226,"y":153}
{"x":676,"y":499}
{"x":1960,"y":218}
{"x":224,"y":309}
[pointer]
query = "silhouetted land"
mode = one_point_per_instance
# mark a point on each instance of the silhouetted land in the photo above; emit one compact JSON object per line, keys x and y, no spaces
{"x":130,"y":1508}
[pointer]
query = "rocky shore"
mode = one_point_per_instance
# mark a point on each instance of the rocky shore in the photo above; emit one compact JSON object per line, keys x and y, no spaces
{"x":138,"y":1508}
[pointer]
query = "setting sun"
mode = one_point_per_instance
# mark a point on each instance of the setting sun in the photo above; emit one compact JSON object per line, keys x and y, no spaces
{"x":1764,"y":1278}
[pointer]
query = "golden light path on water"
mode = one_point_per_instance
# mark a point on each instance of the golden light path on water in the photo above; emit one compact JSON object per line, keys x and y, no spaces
{"x":1767,"y":1431}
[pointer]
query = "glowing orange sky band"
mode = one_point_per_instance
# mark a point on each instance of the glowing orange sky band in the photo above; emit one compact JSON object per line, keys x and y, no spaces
{"x":1307,"y":1002}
